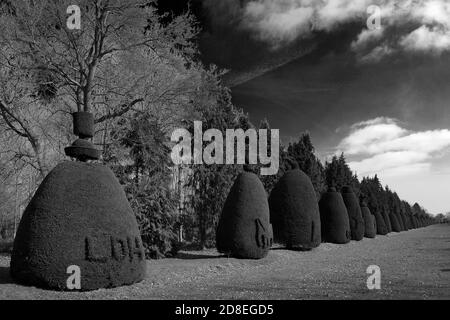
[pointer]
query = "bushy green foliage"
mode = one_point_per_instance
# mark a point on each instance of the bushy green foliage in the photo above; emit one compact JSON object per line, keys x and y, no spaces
{"x":140,"y":159}
{"x":158,"y":221}
{"x":338,"y":174}
{"x":210,"y":184}
{"x":303,"y":152}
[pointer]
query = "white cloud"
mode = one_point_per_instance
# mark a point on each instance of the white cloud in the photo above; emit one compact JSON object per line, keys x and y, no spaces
{"x":382,"y":146}
{"x":280,"y":22}
{"x":427,"y":39}
{"x":392,"y":163}
{"x":368,"y":37}
{"x":276,"y":25}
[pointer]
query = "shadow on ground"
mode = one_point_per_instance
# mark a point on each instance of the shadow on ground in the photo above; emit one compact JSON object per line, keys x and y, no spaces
{"x":5,"y":277}
{"x":196,"y":256}
{"x":278,"y":248}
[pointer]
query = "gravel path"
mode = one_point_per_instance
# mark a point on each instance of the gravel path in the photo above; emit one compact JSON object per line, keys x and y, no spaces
{"x":414,"y":265}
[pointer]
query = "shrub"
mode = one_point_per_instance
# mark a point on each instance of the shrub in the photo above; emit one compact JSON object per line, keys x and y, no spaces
{"x":158,"y":218}
{"x":396,"y":227}
{"x":387,"y":220}
{"x":244,"y":230}
{"x":78,"y":216}
{"x":140,"y":158}
{"x":334,"y":218}
{"x":370,"y":225}
{"x":400,"y":221}
{"x":381,"y":225}
{"x":405,"y":221}
{"x":354,"y":213}
{"x":294,"y":212}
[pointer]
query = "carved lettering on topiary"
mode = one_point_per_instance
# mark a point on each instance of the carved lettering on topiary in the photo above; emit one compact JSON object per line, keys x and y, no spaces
{"x":137,"y":249}
{"x":263,"y":239}
{"x":119,"y":249}
{"x":91,"y":255}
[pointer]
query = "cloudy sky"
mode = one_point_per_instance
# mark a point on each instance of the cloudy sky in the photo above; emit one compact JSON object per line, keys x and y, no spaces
{"x":379,"y":92}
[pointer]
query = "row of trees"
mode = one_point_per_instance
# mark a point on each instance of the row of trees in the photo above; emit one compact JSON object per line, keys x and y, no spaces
{"x":137,"y":70}
{"x":210,"y":184}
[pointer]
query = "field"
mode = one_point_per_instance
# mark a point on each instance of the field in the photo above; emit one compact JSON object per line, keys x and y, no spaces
{"x":414,"y":265}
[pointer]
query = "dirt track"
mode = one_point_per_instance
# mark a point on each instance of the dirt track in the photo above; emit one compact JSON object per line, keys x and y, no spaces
{"x":414,"y":265}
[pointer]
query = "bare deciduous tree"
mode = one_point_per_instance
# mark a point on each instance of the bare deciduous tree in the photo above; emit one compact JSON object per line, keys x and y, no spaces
{"x":122,"y":60}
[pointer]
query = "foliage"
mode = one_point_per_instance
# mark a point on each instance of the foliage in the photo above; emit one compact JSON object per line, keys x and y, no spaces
{"x":338,"y":174}
{"x":303,"y":153}
{"x":215,"y":110}
{"x":140,"y":159}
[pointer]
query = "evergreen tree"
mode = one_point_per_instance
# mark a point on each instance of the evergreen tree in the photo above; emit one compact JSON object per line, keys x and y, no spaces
{"x":338,"y":174}
{"x":270,"y":181}
{"x":216,"y":112}
{"x":303,"y":153}
{"x":140,"y":158}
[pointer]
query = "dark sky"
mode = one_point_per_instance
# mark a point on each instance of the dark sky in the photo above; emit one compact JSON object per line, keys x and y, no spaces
{"x":316,"y":69}
{"x":322,"y":94}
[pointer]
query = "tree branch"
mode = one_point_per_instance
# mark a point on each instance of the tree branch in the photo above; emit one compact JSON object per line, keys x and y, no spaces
{"x":125,"y":108}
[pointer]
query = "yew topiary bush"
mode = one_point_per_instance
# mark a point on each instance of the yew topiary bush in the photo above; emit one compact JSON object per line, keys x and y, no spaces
{"x":387,"y":220}
{"x":370,"y":225}
{"x":79,"y":216}
{"x":335,"y":225}
{"x":405,"y":221}
{"x":244,"y":229}
{"x":400,"y":221}
{"x":396,"y":227}
{"x":381,"y":225}
{"x":354,"y":213}
{"x":294,"y":212}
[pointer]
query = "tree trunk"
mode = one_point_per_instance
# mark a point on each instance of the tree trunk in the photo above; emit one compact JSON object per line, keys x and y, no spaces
{"x":40,"y":158}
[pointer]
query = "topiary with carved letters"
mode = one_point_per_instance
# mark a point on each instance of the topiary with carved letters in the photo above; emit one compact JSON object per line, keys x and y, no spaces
{"x":294,"y":212}
{"x":79,"y":216}
{"x":370,"y":225}
{"x":354,"y":213}
{"x":244,"y":230}
{"x":334,"y":218}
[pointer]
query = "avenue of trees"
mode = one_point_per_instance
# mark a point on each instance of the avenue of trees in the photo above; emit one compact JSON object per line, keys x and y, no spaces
{"x":138,"y":71}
